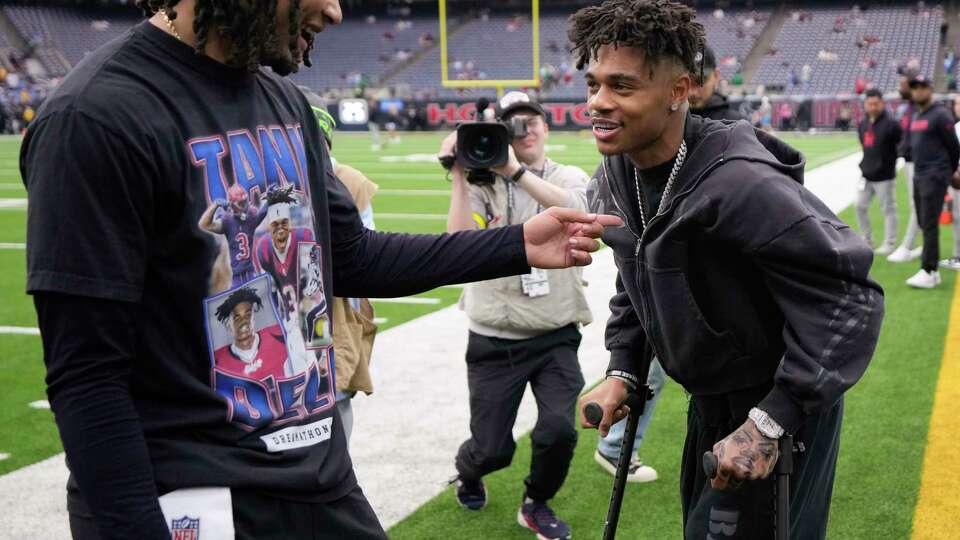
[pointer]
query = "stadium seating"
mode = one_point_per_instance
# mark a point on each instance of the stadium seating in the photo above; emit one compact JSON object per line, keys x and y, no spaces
{"x":837,"y":58}
{"x":73,"y":31}
{"x":500,"y":47}
{"x":361,"y":47}
{"x":839,"y":44}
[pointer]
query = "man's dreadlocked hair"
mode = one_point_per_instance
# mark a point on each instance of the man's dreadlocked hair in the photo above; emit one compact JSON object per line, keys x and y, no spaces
{"x":659,"y":28}
{"x":241,"y":295}
{"x":249,"y":25}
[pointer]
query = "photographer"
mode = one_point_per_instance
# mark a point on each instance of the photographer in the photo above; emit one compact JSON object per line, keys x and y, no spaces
{"x":522,"y":330}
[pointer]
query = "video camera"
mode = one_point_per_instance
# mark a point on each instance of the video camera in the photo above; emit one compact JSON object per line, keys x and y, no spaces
{"x":484,"y":144}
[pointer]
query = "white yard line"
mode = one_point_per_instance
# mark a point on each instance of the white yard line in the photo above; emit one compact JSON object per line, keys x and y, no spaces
{"x":22,"y":330}
{"x":13,"y":204}
{"x":407,"y":433}
{"x":39,"y":404}
{"x":411,"y":217}
{"x":12,"y":245}
{"x":414,"y":192}
{"x":408,"y":300}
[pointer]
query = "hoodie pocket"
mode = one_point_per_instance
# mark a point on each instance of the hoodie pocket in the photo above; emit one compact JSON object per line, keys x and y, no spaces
{"x":698,"y":354}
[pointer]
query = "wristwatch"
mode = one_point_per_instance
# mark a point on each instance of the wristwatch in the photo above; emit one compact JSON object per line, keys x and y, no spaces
{"x":767,"y":426}
{"x":519,"y":174}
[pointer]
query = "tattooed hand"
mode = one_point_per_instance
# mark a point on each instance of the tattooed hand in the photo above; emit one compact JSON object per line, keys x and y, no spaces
{"x":746,"y":454}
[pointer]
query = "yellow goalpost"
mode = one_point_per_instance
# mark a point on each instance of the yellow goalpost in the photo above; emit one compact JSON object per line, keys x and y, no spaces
{"x":499,"y":84}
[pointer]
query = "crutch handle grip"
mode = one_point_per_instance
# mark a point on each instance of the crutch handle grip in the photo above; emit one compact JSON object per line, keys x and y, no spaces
{"x":593,"y":413}
{"x":710,"y":464}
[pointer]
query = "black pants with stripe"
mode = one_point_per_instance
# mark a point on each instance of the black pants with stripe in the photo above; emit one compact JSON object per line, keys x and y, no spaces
{"x":498,"y":371}
{"x":748,"y":512}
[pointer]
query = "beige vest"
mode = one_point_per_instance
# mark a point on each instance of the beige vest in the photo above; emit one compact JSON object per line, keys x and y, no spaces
{"x":498,"y":306}
{"x":353,"y":332}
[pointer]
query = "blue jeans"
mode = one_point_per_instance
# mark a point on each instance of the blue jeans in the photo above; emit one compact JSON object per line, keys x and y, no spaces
{"x":610,"y":445}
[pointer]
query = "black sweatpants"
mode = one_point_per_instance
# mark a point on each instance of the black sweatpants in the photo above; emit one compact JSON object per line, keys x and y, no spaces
{"x":928,"y":194}
{"x":262,"y":517}
{"x":748,"y":513}
{"x":498,"y":371}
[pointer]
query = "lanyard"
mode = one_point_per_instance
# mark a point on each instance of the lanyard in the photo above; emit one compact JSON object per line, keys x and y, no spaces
{"x":510,"y":196}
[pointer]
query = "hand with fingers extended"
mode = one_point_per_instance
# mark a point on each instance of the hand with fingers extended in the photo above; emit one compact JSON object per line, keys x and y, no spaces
{"x":563,"y":237}
{"x":745,"y":454}
{"x":610,"y":395}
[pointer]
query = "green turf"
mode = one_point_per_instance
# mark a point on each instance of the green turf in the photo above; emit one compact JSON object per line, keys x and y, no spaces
{"x":29,"y":435}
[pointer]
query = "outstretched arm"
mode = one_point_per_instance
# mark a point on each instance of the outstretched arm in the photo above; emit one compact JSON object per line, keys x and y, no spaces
{"x":376,"y":264}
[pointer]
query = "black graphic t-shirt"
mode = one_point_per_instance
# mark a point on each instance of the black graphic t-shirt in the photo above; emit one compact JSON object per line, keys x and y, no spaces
{"x":196,"y":195}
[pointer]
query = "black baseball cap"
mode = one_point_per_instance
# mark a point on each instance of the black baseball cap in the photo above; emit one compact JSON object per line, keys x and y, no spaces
{"x":705,"y":62}
{"x":920,"y":80}
{"x":515,"y":101}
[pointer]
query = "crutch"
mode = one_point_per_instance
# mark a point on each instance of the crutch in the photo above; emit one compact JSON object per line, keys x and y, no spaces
{"x":637,"y":401}
{"x":783,"y":469}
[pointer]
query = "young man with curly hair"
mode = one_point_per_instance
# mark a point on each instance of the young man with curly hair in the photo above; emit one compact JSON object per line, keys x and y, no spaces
{"x":750,"y":292}
{"x":132,"y":149}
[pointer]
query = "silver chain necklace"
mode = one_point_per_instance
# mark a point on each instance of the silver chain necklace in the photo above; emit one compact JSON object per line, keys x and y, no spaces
{"x":681,"y":154}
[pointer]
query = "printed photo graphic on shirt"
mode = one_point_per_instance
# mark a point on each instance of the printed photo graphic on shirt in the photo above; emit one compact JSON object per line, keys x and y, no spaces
{"x":258,"y":211}
{"x":265,"y":378}
{"x":245,"y":332}
{"x":314,"y":315}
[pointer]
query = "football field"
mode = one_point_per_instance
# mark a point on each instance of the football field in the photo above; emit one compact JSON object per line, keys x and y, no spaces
{"x":880,"y":477}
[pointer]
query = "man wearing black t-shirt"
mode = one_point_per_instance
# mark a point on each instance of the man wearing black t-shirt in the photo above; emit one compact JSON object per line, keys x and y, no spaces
{"x":749,"y":291}
{"x":936,"y":151}
{"x":136,"y":144}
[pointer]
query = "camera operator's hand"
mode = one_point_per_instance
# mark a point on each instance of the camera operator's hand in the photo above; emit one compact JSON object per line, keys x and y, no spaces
{"x":610,"y":395}
{"x":449,"y":148}
{"x":511,"y":167}
{"x":745,"y":454}
{"x":563,"y":237}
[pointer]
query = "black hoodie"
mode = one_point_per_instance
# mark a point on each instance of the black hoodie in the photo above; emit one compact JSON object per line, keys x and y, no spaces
{"x":745,"y":280}
{"x":718,"y":108}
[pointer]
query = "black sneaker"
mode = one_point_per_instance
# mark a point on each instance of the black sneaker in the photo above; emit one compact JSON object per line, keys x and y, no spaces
{"x":471,"y":494}
{"x":540,"y":518}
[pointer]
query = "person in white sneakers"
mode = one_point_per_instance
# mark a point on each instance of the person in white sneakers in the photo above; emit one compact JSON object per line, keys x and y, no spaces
{"x":953,"y":263}
{"x":906,"y":252}
{"x":936,"y":152}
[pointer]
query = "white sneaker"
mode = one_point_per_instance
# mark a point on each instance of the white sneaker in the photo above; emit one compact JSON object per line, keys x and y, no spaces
{"x":924,"y":279}
{"x":638,"y":472}
{"x":916,"y":252}
{"x":885,"y":249}
{"x":901,"y":254}
{"x":953,"y":263}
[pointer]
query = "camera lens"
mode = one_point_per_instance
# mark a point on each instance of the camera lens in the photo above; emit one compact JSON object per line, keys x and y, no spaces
{"x":483,"y":149}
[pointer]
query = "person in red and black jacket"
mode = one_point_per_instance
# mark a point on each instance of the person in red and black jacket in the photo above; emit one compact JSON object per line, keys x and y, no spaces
{"x":879,"y":135}
{"x":936,"y":151}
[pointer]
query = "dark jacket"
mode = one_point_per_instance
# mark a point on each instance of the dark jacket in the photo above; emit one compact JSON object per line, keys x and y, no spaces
{"x":746,"y":279}
{"x":879,"y":140}
{"x":934,"y":145}
{"x":718,"y":108}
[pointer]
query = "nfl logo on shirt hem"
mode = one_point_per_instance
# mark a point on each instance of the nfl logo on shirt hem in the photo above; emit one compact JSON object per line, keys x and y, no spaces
{"x":185,"y":528}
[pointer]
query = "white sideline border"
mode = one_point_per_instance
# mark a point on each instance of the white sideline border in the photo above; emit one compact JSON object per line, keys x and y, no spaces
{"x":401,"y":459}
